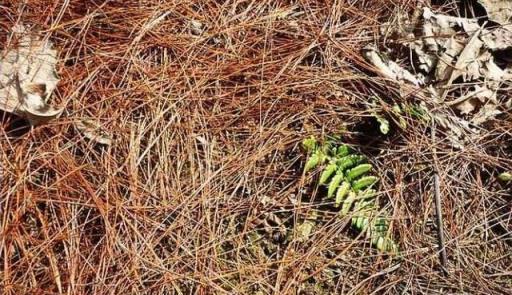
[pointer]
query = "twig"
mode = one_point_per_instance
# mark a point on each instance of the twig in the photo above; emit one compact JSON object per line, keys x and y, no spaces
{"x":439,"y":214}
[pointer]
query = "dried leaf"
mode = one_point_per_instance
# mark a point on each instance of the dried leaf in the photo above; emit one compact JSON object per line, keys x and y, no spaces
{"x":487,"y":112}
{"x":438,"y":28}
{"x":453,"y":49}
{"x":468,"y":103}
{"x":499,"y":38}
{"x":466,"y":64}
{"x":196,"y":27}
{"x":450,"y":48}
{"x":491,"y":71}
{"x":466,"y":107}
{"x":441,"y":27}
{"x":457,"y":129}
{"x":388,"y":68}
{"x":28,"y":78}
{"x":445,"y":24}
{"x":92,"y":130}
{"x":426,"y":61}
{"x":499,"y":11}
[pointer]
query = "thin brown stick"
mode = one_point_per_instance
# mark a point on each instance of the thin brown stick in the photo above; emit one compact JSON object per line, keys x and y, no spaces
{"x":438,"y":205}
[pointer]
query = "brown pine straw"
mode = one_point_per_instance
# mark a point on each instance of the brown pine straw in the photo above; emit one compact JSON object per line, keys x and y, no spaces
{"x":206,"y":124}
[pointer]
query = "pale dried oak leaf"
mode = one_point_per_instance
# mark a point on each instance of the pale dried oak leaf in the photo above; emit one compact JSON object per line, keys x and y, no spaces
{"x":28,"y":77}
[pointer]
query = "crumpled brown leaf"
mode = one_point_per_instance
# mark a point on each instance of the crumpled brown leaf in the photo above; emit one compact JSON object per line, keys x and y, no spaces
{"x":28,"y":78}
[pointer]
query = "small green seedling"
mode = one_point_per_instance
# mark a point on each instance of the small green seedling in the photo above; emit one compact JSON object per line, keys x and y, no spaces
{"x":347,"y":179}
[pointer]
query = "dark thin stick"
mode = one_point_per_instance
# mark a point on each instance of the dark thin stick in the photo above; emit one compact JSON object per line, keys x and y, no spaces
{"x":439,"y":214}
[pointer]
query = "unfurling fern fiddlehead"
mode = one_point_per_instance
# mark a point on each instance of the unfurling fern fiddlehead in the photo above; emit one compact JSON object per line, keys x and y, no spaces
{"x":347,"y":179}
